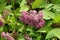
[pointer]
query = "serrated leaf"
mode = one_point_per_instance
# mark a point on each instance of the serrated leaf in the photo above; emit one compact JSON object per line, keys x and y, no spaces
{"x":48,"y":7}
{"x":48,"y":15}
{"x":54,"y":33}
{"x":56,"y":9}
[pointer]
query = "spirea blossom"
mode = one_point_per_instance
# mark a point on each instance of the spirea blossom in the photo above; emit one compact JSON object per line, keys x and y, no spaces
{"x":27,"y":37}
{"x":6,"y":36}
{"x":33,"y":18}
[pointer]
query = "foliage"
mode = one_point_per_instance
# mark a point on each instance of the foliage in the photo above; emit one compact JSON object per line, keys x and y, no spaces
{"x":44,"y":14}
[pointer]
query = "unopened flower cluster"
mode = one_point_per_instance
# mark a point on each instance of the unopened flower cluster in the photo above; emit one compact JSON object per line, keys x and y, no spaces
{"x":33,"y":18}
{"x":6,"y":36}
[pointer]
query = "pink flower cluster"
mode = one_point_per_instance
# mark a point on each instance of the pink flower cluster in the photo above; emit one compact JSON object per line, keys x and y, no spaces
{"x":27,"y":37}
{"x":6,"y":36}
{"x":33,"y":18}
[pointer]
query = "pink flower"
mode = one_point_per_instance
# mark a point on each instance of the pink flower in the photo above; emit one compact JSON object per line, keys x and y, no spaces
{"x":35,"y":19}
{"x":27,"y":37}
{"x":7,"y":36}
{"x":32,"y":18}
{"x":3,"y":34}
{"x":40,"y":24}
{"x":33,"y":12}
{"x":40,"y":15}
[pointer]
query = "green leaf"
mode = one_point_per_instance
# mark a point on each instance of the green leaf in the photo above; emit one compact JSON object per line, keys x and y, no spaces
{"x":23,"y":3}
{"x":48,"y":7}
{"x":8,"y":7}
{"x":38,"y":4}
{"x":1,"y":1}
{"x":48,"y":15}
{"x":54,"y":33}
{"x":11,"y":21}
{"x":12,"y":2}
{"x":2,"y":38}
{"x":23,"y":6}
{"x":30,"y":30}
{"x":1,"y":29}
{"x":56,"y":1}
{"x":38,"y":38}
{"x":2,"y":6}
{"x":56,"y":19}
{"x":56,"y":9}
{"x":21,"y":29}
{"x":20,"y":37}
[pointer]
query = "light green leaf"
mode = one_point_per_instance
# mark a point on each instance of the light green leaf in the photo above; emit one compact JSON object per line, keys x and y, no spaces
{"x":54,"y":33}
{"x":23,"y":6}
{"x":48,"y":7}
{"x":21,"y":29}
{"x":48,"y":15}
{"x":1,"y":29}
{"x":23,"y":3}
{"x":2,"y":6}
{"x":8,"y":7}
{"x":38,"y":4}
{"x":56,"y":19}
{"x":56,"y":9}
{"x":38,"y":38}
{"x":20,"y":37}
